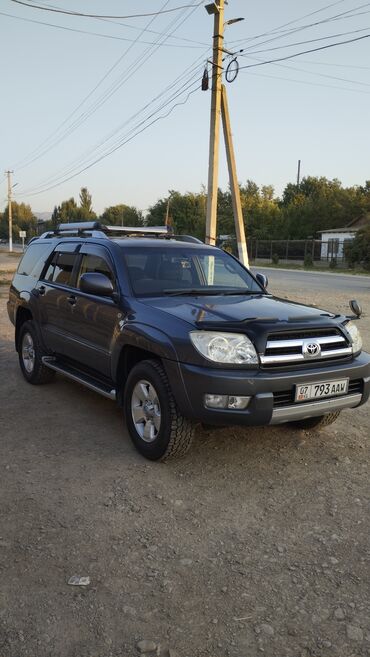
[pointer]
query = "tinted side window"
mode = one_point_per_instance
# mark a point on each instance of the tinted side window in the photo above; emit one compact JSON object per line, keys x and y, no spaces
{"x":96,"y":264}
{"x":60,"y":268}
{"x":34,"y":260}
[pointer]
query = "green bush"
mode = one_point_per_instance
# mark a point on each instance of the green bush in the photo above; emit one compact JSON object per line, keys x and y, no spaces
{"x":275,"y":259}
{"x":333,"y":263}
{"x":308,"y":261}
{"x":357,"y":252}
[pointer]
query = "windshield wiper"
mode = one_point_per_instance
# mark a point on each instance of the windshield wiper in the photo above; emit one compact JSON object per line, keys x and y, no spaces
{"x":242,"y":292}
{"x":190,"y":291}
{"x":206,"y":292}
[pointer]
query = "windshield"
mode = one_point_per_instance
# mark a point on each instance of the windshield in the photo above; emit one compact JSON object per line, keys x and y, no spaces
{"x":161,"y":270}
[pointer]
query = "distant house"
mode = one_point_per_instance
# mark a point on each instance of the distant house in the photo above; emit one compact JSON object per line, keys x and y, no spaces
{"x":333,"y":240}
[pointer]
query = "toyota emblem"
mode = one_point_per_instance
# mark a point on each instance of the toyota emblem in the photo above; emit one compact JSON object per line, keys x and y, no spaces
{"x":311,"y":349}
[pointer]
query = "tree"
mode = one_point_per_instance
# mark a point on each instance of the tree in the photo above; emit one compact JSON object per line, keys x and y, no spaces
{"x":55,"y":218}
{"x":85,"y":211}
{"x":186,"y":211}
{"x":319,"y":204}
{"x":357,"y":252}
{"x":67,"y":211}
{"x":23,"y":219}
{"x":122,"y":215}
{"x":261,"y":212}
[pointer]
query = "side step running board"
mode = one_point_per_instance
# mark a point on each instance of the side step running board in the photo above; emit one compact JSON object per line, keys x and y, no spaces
{"x":80,"y":377}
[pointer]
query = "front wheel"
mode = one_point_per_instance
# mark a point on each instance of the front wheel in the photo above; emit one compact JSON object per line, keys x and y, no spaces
{"x":155,"y":424}
{"x":316,"y":422}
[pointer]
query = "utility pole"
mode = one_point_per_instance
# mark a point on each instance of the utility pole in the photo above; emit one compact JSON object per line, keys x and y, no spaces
{"x":217,"y":9}
{"x":299,"y":173}
{"x":167,"y":217}
{"x":219,"y":107}
{"x":234,"y":184}
{"x":10,"y":217}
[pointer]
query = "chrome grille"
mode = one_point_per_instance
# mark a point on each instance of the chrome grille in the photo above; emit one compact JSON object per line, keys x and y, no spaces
{"x":285,"y":348}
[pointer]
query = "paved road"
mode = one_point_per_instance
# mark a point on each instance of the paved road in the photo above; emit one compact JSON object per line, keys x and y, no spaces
{"x":298,"y":281}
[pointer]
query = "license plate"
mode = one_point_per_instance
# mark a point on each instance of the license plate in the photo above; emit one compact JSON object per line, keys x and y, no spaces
{"x":321,"y":389}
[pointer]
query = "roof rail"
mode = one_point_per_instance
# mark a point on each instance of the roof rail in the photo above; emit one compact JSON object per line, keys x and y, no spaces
{"x":187,"y":238}
{"x":141,"y":230}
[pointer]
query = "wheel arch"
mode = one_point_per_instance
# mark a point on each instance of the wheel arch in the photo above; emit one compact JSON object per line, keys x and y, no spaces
{"x":130,"y":355}
{"x":23,"y":315}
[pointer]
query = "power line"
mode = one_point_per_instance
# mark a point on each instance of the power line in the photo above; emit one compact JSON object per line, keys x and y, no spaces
{"x":80,"y":161}
{"x":134,"y":27}
{"x":40,"y":151}
{"x":317,"y":11}
{"x":280,"y":27}
{"x":175,"y":93}
{"x":300,"y":43}
{"x":118,"y":146}
{"x":77,"y":13}
{"x":304,"y":52}
{"x":329,"y":19}
{"x":357,"y":66}
{"x":306,"y":82}
{"x":322,"y":75}
{"x":104,"y":36}
{"x":34,"y":155}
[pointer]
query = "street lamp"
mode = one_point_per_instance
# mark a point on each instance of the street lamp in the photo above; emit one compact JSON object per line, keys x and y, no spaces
{"x":231,"y":21}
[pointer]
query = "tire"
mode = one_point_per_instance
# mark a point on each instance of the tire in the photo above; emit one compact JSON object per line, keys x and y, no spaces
{"x":316,"y":422}
{"x":156,"y":427}
{"x":30,"y":356}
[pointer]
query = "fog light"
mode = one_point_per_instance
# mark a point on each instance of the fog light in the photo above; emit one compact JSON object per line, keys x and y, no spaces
{"x":238,"y":403}
{"x":231,"y":402}
{"x":216,"y":401}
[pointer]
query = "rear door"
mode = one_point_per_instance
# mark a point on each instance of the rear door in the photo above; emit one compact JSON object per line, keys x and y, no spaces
{"x":94,"y":319}
{"x":55,"y":298}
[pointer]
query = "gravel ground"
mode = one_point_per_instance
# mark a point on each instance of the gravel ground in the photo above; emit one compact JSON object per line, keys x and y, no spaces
{"x":256,"y":543}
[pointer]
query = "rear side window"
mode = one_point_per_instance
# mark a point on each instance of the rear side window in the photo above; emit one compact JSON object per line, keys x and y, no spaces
{"x":34,"y":260}
{"x":96,"y":264}
{"x":60,"y":268}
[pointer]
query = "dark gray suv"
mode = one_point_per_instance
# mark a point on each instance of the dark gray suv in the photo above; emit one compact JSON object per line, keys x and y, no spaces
{"x":178,"y":333}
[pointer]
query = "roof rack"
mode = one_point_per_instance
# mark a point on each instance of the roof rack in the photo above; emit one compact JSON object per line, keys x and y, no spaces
{"x":96,"y":229}
{"x":160,"y":231}
{"x":80,"y":226}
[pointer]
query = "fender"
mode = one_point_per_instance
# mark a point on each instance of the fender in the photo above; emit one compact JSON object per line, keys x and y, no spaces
{"x":25,"y":300}
{"x":148,"y":338}
{"x":144,"y":337}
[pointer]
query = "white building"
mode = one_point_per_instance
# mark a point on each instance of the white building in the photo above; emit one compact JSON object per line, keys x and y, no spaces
{"x":333,"y":240}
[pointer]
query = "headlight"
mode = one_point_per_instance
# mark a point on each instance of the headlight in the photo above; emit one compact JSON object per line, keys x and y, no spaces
{"x":233,"y":348}
{"x":355,"y":336}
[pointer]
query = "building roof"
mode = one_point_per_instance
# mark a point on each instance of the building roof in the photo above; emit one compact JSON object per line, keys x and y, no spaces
{"x":352,"y":227}
{"x":345,"y":229}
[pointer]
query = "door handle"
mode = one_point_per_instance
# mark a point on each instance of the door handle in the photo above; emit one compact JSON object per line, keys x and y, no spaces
{"x":72,"y":300}
{"x":42,"y":290}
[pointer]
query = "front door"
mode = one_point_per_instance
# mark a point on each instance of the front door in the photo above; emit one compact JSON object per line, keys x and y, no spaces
{"x":94,"y":320}
{"x":55,"y":291}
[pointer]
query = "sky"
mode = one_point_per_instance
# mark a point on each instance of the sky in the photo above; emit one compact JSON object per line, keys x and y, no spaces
{"x":70,"y":96}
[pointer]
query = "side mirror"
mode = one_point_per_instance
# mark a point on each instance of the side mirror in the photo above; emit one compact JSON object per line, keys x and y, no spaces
{"x":95,"y":283}
{"x":355,"y":307}
{"x":262,"y":279}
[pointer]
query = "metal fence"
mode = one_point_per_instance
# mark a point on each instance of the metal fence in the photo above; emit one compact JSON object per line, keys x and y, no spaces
{"x":302,"y":252}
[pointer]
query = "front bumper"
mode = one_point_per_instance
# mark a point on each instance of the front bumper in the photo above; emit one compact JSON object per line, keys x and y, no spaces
{"x":190,"y":383}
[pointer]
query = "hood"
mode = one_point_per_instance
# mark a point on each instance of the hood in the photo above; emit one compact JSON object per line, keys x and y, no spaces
{"x":237,"y":311}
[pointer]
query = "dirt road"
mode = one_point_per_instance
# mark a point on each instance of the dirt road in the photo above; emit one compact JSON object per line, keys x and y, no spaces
{"x":256,"y":543}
